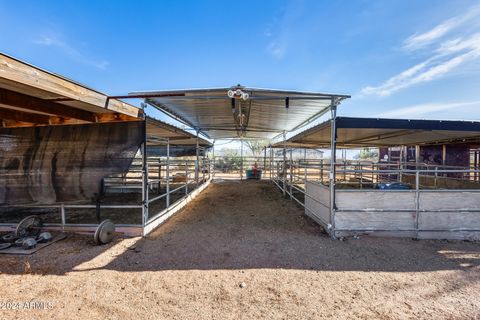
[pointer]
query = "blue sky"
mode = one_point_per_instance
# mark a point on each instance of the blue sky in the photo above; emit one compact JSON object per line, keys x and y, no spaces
{"x":406,"y":59}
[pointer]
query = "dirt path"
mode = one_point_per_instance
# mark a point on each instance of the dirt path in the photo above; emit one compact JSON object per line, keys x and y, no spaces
{"x":234,"y":232}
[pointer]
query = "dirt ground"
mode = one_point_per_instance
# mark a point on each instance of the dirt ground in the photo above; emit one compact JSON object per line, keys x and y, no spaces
{"x":244,"y":232}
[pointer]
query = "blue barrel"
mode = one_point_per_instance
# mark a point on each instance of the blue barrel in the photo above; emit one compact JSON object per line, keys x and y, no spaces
{"x":250,"y":175}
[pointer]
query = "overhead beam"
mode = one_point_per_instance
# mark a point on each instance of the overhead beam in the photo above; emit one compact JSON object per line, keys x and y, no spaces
{"x":19,"y":100}
{"x":14,"y":124}
{"x":16,"y":115}
{"x":27,"y":78}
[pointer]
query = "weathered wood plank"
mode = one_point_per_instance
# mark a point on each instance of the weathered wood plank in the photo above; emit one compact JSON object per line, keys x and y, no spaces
{"x":15,"y":99}
{"x":15,"y":115}
{"x":15,"y":72}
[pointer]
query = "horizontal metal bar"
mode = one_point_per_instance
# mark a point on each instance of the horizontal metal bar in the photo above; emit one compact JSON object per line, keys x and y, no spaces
{"x":409,"y":230}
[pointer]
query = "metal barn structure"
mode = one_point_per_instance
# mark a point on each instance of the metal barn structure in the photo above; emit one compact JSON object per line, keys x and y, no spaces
{"x":75,"y":156}
{"x":394,"y":198}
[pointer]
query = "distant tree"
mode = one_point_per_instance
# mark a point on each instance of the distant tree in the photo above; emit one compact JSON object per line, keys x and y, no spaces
{"x":256,"y":146}
{"x":230,"y":160}
{"x":367,"y":154}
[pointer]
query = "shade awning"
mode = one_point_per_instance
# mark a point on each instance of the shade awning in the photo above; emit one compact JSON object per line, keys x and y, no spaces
{"x":241,"y":111}
{"x":158,"y":132}
{"x":371,"y":132}
{"x":31,"y":96}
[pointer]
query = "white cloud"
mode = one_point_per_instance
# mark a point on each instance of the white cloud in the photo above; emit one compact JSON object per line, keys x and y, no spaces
{"x":420,"y":110}
{"x":71,"y":51}
{"x":451,"y":44}
{"x":277,"y":48}
{"x":418,"y":41}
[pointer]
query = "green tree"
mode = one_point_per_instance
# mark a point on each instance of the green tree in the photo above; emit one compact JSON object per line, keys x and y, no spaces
{"x":256,"y":146}
{"x":367,"y":154}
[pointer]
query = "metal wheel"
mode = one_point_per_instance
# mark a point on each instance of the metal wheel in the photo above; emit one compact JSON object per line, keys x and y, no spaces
{"x":29,"y":226}
{"x":105,"y":232}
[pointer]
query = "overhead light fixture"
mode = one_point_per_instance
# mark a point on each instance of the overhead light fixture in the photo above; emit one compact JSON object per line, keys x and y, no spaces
{"x":238,"y":94}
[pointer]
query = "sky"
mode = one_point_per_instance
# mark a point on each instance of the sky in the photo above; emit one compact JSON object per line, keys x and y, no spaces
{"x":402,"y":59}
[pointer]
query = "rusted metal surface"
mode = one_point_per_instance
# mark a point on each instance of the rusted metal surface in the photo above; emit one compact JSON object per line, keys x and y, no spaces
{"x":62,"y":164}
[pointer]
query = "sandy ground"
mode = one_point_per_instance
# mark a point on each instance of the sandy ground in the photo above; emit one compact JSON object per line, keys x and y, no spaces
{"x":244,"y":232}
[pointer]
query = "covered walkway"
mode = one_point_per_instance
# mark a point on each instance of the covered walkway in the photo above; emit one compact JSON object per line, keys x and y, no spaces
{"x":246,"y":232}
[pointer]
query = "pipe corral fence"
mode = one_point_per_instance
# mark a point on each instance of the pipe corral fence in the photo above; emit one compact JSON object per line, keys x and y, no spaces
{"x":385,"y":198}
{"x":137,"y":200}
{"x":76,"y":156}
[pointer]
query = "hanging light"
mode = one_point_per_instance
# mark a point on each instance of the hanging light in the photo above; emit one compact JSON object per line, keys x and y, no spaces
{"x":238,"y":94}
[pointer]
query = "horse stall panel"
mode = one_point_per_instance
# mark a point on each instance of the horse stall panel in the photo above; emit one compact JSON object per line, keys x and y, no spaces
{"x":375,"y":199}
{"x":449,"y":200}
{"x":317,"y":202}
{"x":449,"y":220}
{"x":449,"y":211}
{"x":374,"y":220}
{"x":375,"y":210}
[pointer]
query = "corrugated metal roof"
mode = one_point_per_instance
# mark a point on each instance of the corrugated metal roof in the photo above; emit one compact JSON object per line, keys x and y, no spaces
{"x":158,"y":130}
{"x":371,"y":132}
{"x":263,"y":114}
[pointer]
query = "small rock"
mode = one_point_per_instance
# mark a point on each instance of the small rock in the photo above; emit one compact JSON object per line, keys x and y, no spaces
{"x":243,"y":285}
{"x":356,"y":237}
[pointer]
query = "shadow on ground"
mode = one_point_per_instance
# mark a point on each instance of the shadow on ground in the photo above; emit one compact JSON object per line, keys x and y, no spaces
{"x":246,"y":225}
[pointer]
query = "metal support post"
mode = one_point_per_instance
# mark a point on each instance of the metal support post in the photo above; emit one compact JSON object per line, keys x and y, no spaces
{"x":291,"y":172}
{"x":241,"y":159}
{"x":186,"y":177}
{"x":168,"y":173}
{"x":213,"y":159}
{"x":417,"y":200}
{"x":444,"y":154}
{"x":321,"y":171}
{"x":144,"y":182}
{"x":271,"y":163}
{"x":284,"y":169}
{"x":264,"y":160}
{"x":203,"y":166}
{"x":64,"y":219}
{"x":305,"y":166}
{"x":197,"y":162}
{"x":332,"y":178}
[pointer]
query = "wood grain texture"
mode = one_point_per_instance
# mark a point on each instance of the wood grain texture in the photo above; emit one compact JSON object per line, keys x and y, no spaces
{"x":21,"y":77}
